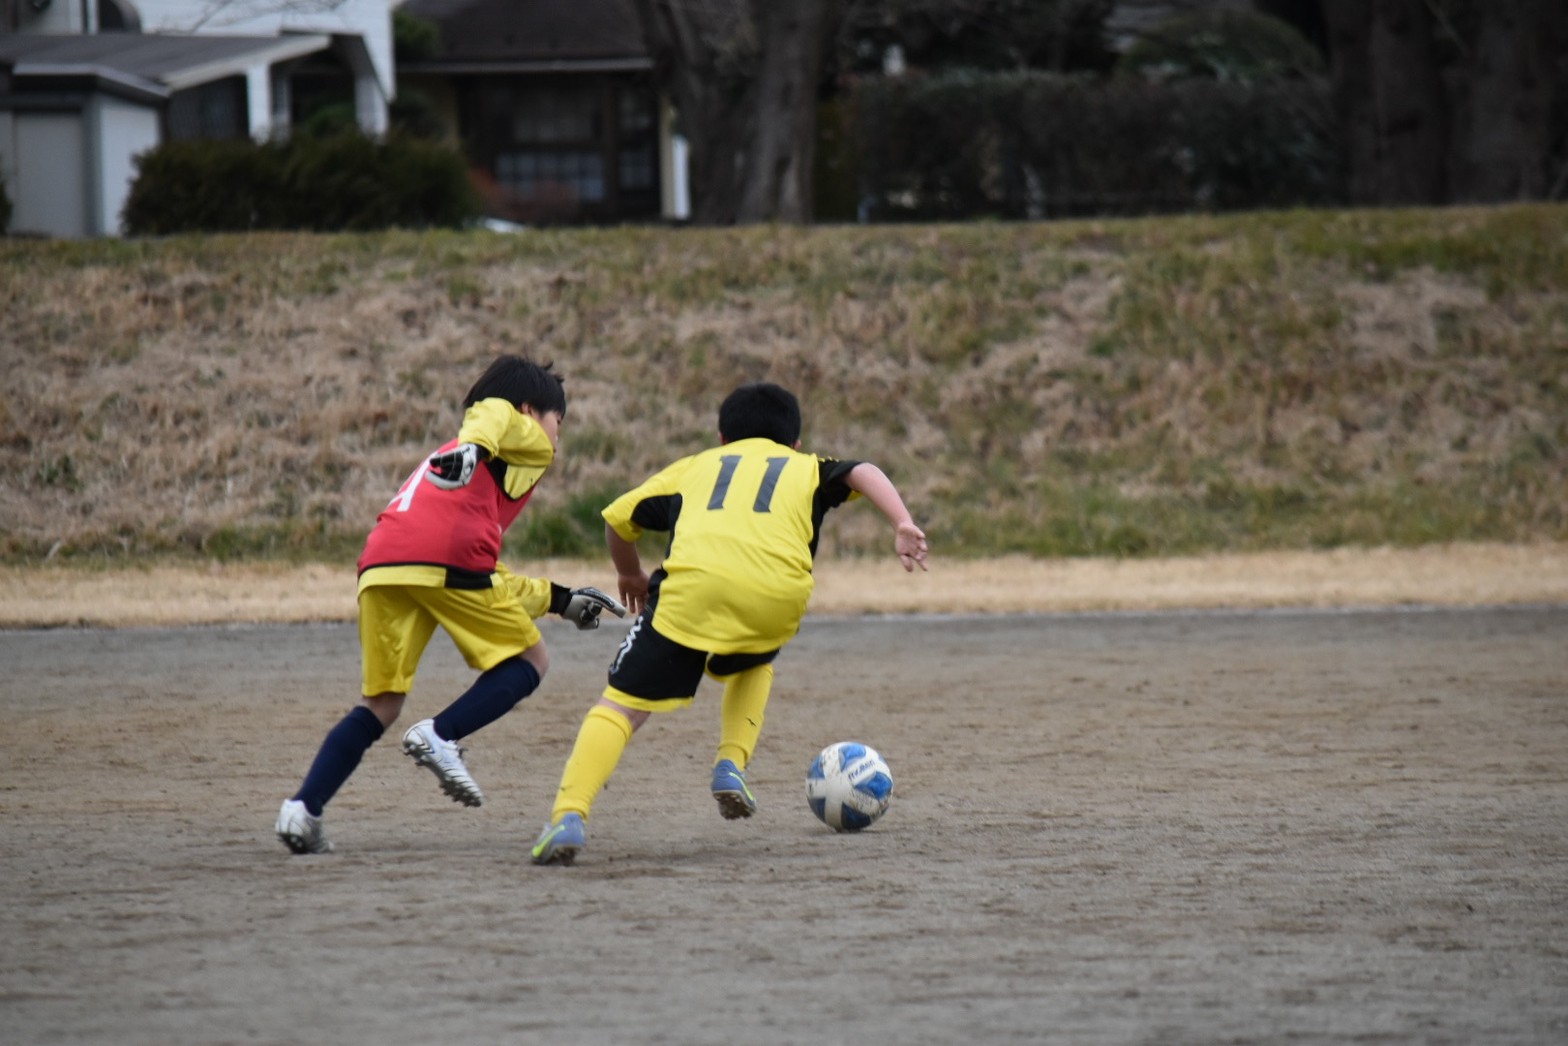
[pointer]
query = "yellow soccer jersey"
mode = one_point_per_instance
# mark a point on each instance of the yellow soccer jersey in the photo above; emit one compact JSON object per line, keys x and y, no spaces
{"x":509,"y":435}
{"x":743,"y":521}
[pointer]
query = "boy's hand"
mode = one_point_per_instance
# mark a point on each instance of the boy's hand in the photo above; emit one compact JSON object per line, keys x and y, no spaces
{"x":909,"y":541}
{"x":454,"y":468}
{"x":634,"y":589}
{"x":585,"y":605}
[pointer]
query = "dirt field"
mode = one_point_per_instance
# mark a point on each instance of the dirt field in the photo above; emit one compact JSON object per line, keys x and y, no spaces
{"x":1303,"y":826}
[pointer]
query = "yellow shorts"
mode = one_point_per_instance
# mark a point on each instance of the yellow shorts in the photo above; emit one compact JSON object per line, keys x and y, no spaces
{"x":487,"y":625}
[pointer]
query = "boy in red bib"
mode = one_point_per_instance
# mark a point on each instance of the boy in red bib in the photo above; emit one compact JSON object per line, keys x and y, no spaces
{"x":431,"y":560}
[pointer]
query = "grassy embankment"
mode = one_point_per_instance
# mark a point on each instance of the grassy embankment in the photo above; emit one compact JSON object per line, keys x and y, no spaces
{"x":1130,"y":388}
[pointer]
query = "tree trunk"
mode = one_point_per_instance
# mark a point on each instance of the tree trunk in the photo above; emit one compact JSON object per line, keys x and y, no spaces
{"x":1390,"y":99}
{"x":743,"y":77}
{"x":1503,"y":134}
{"x":1349,"y":30}
{"x":783,"y":129}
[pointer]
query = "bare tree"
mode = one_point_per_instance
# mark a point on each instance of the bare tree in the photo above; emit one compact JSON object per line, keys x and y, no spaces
{"x":1390,"y":100}
{"x":235,"y":12}
{"x":1504,"y":122}
{"x":743,"y":75}
{"x":1447,"y":101}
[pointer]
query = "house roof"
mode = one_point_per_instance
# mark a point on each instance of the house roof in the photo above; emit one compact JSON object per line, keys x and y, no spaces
{"x":146,"y":67}
{"x":532,"y":35}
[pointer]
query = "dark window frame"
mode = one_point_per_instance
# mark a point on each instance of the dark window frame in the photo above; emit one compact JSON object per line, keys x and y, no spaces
{"x":603,"y":169}
{"x":218,"y":110}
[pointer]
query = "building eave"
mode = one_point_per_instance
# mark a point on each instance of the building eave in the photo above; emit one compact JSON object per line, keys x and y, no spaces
{"x":494,"y":66}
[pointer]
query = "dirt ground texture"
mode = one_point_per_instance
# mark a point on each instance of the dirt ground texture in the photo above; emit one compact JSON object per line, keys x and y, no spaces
{"x":1264,"y":826}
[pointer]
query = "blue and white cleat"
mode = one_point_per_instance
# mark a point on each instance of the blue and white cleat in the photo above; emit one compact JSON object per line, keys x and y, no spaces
{"x":730,"y":790}
{"x":559,"y":842}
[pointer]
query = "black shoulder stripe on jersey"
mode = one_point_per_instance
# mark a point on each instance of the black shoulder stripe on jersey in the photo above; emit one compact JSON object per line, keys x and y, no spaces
{"x":831,"y":473}
{"x":657,"y":513}
{"x":832,"y":491}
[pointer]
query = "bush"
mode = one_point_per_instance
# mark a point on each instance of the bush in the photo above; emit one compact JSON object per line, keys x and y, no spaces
{"x":414,"y":39}
{"x":213,"y":186}
{"x":1030,"y":145}
{"x":337,"y":182}
{"x":1241,"y":46}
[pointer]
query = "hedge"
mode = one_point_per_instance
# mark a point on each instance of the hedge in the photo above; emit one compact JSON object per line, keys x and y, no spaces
{"x":1036,"y":145}
{"x":342,"y":182}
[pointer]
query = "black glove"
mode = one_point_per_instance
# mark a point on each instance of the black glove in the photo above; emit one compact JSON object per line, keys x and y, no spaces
{"x":454,"y":468}
{"x":582,"y":606}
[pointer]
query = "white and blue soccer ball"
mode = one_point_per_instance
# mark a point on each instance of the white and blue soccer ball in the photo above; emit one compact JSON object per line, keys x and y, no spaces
{"x":849,"y":786}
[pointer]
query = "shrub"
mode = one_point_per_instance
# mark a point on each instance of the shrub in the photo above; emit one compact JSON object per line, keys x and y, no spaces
{"x":1028,"y":145}
{"x":336,"y":182}
{"x":213,"y":186}
{"x":1241,"y":46}
{"x":414,"y":39}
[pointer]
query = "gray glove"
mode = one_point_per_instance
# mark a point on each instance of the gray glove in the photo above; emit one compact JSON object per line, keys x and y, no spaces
{"x":584,"y":605}
{"x":455,"y":467}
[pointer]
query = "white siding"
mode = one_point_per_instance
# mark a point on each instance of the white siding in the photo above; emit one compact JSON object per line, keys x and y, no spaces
{"x":125,"y":131}
{"x":371,"y":20}
{"x":55,"y":18}
{"x":50,"y":194}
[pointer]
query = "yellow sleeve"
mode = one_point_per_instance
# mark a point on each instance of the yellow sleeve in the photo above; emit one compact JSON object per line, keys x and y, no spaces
{"x":532,"y":592}
{"x":658,"y":488}
{"x":506,"y":433}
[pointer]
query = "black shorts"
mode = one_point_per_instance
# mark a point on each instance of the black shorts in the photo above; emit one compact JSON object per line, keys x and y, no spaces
{"x":656,"y":668}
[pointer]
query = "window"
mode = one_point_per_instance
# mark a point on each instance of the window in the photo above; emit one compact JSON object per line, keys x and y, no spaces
{"x":566,"y":148}
{"x":546,"y":115}
{"x":545,"y":176}
{"x":637,"y":169}
{"x":214,"y":110}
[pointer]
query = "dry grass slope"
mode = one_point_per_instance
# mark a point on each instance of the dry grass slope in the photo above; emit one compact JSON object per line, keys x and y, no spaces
{"x":1140,"y":388}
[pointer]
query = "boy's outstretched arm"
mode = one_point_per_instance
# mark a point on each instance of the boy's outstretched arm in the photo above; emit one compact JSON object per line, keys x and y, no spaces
{"x":632,"y":579}
{"x":909,"y":541}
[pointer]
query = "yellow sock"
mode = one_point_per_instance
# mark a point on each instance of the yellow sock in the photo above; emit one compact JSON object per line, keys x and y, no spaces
{"x":600,"y":741}
{"x":740,"y":716}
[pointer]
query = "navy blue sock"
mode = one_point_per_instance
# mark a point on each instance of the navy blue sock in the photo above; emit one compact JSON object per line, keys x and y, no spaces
{"x":495,"y":693}
{"x":340,"y":753}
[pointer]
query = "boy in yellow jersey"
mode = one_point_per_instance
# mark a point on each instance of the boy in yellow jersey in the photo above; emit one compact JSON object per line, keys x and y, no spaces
{"x":743,"y":520}
{"x":432,"y":559}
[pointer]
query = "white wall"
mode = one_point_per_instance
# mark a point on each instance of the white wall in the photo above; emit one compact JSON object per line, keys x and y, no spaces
{"x":61,"y":16}
{"x":371,"y":20}
{"x":50,"y":193}
{"x":125,"y":130}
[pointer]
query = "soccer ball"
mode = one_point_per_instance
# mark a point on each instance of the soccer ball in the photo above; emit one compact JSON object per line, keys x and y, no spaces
{"x":849,"y":786}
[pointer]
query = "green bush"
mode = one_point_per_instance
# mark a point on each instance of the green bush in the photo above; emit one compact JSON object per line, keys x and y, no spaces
{"x":1032,"y":145}
{"x":331,"y":183}
{"x":414,"y":39}
{"x":1241,"y":46}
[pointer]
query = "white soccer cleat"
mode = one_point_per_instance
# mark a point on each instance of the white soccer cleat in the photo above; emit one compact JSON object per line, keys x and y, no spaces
{"x":300,"y":830}
{"x":445,"y":760}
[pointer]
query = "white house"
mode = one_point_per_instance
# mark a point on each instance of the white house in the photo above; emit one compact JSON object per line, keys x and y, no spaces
{"x":87,"y":85}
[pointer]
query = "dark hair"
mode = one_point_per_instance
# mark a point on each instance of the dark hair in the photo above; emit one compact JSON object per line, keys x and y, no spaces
{"x":520,"y":382}
{"x":760,"y":410}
